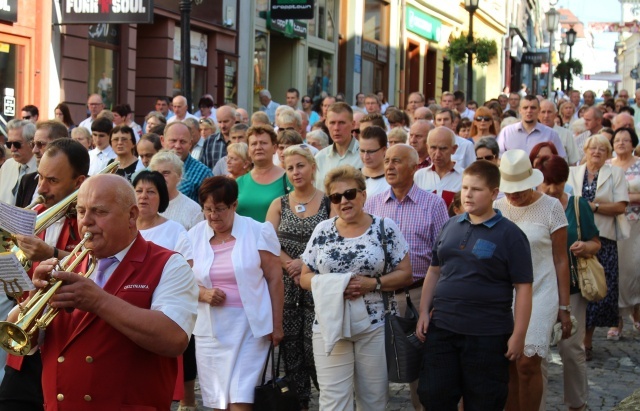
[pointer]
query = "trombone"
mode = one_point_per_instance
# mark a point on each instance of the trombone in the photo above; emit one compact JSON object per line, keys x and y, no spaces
{"x":16,"y":338}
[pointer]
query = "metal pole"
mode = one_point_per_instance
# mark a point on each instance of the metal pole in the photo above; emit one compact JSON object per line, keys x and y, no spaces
{"x":185,"y":49}
{"x":569,"y":74}
{"x":470,"y":58}
{"x":550,"y":73}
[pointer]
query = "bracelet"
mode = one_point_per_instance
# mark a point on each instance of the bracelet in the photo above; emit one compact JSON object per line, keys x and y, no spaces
{"x":595,"y":210}
{"x":55,"y":252}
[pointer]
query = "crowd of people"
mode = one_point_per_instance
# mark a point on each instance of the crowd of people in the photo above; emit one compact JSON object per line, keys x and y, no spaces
{"x":221,"y":235}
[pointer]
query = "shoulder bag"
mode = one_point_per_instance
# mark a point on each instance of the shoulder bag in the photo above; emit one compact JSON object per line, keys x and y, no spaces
{"x":590,"y":272}
{"x":402,"y":347}
{"x":275,"y":395}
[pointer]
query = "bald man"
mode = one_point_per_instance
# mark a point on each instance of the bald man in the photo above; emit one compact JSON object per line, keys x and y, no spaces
{"x":415,"y":101}
{"x":180,"y":109}
{"x":215,"y":146}
{"x":546,"y":116}
{"x":129,"y":321}
{"x":423,"y":113}
{"x":623,"y":120}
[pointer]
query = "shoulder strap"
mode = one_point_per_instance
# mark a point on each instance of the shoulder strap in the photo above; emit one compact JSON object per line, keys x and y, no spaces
{"x":576,"y":206}
{"x":383,"y":236}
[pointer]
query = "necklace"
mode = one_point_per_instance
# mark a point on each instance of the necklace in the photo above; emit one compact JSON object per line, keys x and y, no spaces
{"x":300,"y":208}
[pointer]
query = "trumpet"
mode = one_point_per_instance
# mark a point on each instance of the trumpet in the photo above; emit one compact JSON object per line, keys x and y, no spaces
{"x":37,"y":314}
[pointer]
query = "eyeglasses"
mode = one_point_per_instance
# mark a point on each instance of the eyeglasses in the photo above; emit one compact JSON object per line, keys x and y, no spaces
{"x":304,"y":100}
{"x":483,"y":118}
{"x":283,"y":129}
{"x":370,"y":152}
{"x":39,"y":144}
{"x":120,"y":140}
{"x":350,"y":194}
{"x":488,"y":158}
{"x":17,"y":144}
{"x":355,"y":131}
{"x":26,"y":118}
{"x":217,"y":211}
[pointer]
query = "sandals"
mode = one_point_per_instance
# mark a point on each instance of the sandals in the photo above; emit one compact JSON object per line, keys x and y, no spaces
{"x":588,"y":353}
{"x":613,"y":334}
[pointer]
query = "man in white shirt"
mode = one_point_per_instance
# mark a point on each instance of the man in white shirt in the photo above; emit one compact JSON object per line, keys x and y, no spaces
{"x":95,"y":105}
{"x":267,"y":105}
{"x":345,"y":148}
{"x":547,"y":115}
{"x":100,"y":156}
{"x":180,"y":110}
{"x":460,"y":102}
{"x":444,"y":176}
{"x":22,"y":161}
{"x":465,"y":154}
{"x":373,"y":146}
{"x":593,"y":121}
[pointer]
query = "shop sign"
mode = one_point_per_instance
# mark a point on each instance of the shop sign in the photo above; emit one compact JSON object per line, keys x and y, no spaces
{"x":382,"y":53}
{"x":423,"y":24}
{"x":369,"y":49}
{"x":106,"y":11}
{"x":198,"y":52}
{"x":9,"y":103}
{"x":535,"y":58}
{"x":292,"y":9}
{"x":104,"y":33}
{"x":290,"y":28}
{"x":9,"y":10}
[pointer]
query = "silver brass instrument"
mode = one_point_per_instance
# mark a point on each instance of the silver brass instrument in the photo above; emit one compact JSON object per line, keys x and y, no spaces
{"x":16,"y":338}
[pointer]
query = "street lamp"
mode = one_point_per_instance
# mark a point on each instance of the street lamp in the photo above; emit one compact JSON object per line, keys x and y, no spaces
{"x":553,"y":18}
{"x":471,"y":6}
{"x":563,"y":49}
{"x":571,"y":40}
{"x":185,"y":49}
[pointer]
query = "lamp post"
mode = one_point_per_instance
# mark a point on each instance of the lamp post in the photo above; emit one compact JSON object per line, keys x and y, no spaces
{"x":571,"y":40}
{"x":553,"y":18}
{"x":563,"y":52}
{"x":185,"y":50}
{"x":471,"y":6}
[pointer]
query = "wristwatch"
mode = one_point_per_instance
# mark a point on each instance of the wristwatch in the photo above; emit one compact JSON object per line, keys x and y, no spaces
{"x":566,"y":308}
{"x":378,"y":285}
{"x":597,"y":206}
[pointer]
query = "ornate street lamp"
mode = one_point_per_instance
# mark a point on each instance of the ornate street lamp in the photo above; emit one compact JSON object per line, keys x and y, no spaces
{"x":471,"y":6}
{"x":571,"y":40}
{"x":563,"y":49}
{"x":553,"y":18}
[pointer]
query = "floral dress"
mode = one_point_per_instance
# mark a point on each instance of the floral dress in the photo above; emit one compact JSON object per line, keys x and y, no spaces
{"x":603,"y":313}
{"x":296,"y":347}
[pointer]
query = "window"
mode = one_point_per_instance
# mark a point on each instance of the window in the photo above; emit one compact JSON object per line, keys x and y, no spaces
{"x":198,"y":65}
{"x":104,"y":41}
{"x":260,"y":61}
{"x":323,"y":23}
{"x":319,"y":73}
{"x":373,"y":20}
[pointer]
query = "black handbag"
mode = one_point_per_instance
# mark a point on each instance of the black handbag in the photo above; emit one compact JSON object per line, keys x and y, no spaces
{"x":275,"y":395}
{"x":402,"y":347}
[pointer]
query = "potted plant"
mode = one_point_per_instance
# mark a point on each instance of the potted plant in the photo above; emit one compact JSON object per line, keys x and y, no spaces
{"x":484,"y":50}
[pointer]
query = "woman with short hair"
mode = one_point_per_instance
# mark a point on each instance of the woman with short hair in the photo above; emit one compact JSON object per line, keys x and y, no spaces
{"x":154,"y":119}
{"x":123,"y":142}
{"x":238,"y":161}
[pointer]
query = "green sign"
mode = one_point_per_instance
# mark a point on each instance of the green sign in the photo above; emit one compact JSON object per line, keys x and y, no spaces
{"x":290,"y":28}
{"x":423,"y":24}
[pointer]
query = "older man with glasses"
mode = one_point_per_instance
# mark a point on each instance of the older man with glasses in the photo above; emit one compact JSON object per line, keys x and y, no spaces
{"x":95,"y":106}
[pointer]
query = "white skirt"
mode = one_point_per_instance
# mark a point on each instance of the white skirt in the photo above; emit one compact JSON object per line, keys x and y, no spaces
{"x":230,"y":365}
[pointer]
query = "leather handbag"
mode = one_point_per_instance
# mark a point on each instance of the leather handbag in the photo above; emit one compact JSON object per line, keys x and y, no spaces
{"x":403,"y":349}
{"x":278,"y":394}
{"x":590,"y":273}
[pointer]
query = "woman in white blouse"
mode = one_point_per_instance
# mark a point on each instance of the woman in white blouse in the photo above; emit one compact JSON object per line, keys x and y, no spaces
{"x":241,"y":297}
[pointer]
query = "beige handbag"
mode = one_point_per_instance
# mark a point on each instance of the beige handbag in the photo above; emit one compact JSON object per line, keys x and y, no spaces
{"x":590,"y":272}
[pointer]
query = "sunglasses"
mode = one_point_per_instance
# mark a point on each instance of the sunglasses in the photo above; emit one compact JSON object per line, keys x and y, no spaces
{"x":355,"y":130}
{"x":483,"y":118}
{"x":17,"y":144}
{"x":488,"y":158}
{"x":206,"y":121}
{"x":26,"y":118}
{"x":350,"y":194}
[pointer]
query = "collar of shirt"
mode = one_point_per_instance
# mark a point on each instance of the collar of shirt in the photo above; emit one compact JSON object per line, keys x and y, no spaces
{"x":537,"y":127}
{"x":187,"y":162}
{"x":353,"y":147}
{"x":489,"y":223}
{"x":455,"y":169}
{"x":411,"y":194}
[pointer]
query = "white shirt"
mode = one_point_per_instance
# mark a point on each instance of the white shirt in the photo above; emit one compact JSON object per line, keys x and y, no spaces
{"x":376,"y":185}
{"x":468,"y":114}
{"x":175,"y":118}
{"x":465,"y":154}
{"x":570,"y":146}
{"x":196,"y":151}
{"x":328,"y":159}
{"x":428,"y":180}
{"x":184,"y":210}
{"x":176,"y":295}
{"x":86,"y":123}
{"x":98,"y":159}
{"x":170,"y":235}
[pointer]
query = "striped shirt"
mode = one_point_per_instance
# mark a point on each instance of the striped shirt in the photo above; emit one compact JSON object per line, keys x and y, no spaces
{"x":214,"y":148}
{"x":420,"y":216}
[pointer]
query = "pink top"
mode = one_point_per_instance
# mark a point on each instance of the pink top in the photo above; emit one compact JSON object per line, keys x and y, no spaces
{"x":222,"y":274}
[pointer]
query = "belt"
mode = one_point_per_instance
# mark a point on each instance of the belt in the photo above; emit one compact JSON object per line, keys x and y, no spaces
{"x":417,"y":284}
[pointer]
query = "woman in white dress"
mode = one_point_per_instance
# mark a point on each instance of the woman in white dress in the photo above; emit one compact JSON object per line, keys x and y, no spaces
{"x":543,"y":220}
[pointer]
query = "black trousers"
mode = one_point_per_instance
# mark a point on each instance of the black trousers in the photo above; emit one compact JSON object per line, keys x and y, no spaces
{"x":22,"y":390}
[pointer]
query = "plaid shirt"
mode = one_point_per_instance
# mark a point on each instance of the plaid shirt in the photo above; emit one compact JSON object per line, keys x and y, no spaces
{"x":215,"y":147}
{"x":193,"y":174}
{"x":420,"y":216}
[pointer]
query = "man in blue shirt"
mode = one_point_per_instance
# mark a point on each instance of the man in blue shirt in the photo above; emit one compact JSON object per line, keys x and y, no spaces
{"x":465,"y":309}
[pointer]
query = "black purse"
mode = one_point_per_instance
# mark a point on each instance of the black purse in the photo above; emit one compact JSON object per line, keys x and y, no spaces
{"x":275,"y":395}
{"x":402,"y":347}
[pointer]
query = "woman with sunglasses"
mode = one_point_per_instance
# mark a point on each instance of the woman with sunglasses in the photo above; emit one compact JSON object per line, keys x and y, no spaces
{"x":483,"y":125}
{"x":307,"y":107}
{"x":351,"y":245}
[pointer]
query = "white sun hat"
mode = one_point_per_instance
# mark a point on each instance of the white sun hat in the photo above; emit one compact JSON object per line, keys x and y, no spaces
{"x":516,"y":172}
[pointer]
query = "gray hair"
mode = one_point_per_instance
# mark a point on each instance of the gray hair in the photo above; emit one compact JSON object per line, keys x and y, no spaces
{"x":191,"y":123}
{"x":398,"y":132}
{"x":265,"y":92}
{"x":167,"y":156}
{"x":413,"y":153}
{"x":27,"y":128}
{"x":289,"y":117}
{"x":490,"y":143}
{"x":156,"y":114}
{"x":319,"y":135}
{"x":239,"y":149}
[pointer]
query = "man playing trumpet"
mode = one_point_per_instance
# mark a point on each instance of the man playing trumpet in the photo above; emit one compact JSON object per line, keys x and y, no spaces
{"x":62,"y":169}
{"x":129,"y":320}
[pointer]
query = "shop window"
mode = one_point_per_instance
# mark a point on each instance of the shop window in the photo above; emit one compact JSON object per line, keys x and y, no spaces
{"x":104,"y":41}
{"x":260,"y":62}
{"x":375,"y":20}
{"x":319,"y":73}
{"x":323,"y":23}
{"x":229,"y":80}
{"x":262,"y":6}
{"x":199,"y":59}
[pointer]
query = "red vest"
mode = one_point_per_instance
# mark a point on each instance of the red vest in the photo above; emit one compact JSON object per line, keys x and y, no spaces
{"x":88,"y":365}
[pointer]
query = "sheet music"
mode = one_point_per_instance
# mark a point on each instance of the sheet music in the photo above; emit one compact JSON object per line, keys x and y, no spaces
{"x":17,"y":220}
{"x":13,"y":277}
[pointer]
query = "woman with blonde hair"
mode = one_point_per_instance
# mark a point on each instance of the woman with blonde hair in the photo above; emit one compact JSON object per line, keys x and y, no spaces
{"x":238,"y":161}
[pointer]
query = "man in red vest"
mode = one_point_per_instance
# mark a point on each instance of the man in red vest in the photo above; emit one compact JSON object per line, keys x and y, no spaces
{"x":62,"y":169}
{"x":118,"y":346}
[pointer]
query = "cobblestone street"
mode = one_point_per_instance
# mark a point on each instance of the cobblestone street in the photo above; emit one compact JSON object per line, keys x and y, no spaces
{"x":613,"y":375}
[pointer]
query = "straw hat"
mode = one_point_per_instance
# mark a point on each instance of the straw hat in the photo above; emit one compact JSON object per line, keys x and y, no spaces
{"x":516,"y":172}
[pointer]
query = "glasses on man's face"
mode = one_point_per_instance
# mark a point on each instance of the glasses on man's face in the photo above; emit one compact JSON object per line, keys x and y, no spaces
{"x":26,"y":117}
{"x":483,"y":118}
{"x":16,"y":144}
{"x":350,"y":194}
{"x":488,"y":158}
{"x":40,"y":144}
{"x":217,"y":211}
{"x":370,"y":152}
{"x":283,"y":129}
